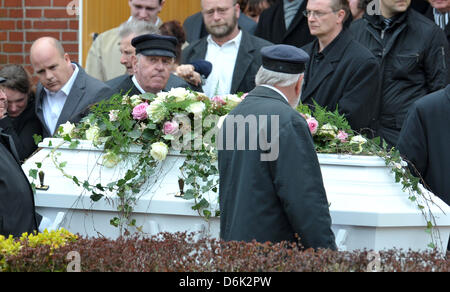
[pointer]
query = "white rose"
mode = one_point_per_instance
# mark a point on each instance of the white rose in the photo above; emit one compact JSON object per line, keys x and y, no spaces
{"x":161,"y":97}
{"x":93,"y":133}
{"x":159,"y":151}
{"x":67,"y":129}
{"x":196,"y":108}
{"x":180,"y":93}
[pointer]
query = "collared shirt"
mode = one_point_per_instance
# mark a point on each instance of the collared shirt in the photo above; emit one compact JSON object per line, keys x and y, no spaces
{"x":223,"y":59}
{"x":277,"y":90}
{"x":291,"y":8}
{"x":53,"y":102}
{"x":441,"y":19}
{"x":136,"y":83}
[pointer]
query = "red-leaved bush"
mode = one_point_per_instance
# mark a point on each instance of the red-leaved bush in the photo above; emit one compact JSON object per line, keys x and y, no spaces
{"x":181,"y":252}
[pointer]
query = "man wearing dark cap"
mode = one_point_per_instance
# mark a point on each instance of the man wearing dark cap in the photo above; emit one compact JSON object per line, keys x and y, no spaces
{"x":17,"y":211}
{"x":152,"y":64}
{"x":272,"y":191}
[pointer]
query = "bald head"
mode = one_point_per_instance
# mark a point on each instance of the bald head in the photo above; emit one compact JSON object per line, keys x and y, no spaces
{"x":51,"y":64}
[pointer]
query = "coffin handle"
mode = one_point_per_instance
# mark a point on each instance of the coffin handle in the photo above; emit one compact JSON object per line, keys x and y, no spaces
{"x":341,"y":239}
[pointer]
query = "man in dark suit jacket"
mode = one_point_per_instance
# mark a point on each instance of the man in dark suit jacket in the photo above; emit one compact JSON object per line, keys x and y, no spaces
{"x":65,"y":91}
{"x":341,"y":73}
{"x":195,"y":29}
{"x":439,"y":12}
{"x":424,"y":141}
{"x":272,"y":25}
{"x":272,"y":192}
{"x":234,"y":53}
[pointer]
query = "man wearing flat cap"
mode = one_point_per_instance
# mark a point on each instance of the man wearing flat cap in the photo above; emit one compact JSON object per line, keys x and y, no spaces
{"x":271,"y":186}
{"x":152,"y":65}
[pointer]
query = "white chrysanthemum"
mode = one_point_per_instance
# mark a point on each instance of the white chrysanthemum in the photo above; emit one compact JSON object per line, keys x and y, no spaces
{"x":159,"y":151}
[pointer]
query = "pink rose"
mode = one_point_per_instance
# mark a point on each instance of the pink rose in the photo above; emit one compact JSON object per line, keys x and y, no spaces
{"x":170,"y":128}
{"x":244,"y":96}
{"x":218,"y":100}
{"x":140,"y":112}
{"x":343,"y":136}
{"x":313,"y":125}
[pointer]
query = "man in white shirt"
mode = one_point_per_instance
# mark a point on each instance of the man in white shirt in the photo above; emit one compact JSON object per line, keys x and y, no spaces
{"x":234,"y":53}
{"x":65,"y":91}
{"x":103,"y":60}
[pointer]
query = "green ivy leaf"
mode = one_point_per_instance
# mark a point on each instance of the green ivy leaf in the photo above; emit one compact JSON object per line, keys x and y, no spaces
{"x":33,"y":173}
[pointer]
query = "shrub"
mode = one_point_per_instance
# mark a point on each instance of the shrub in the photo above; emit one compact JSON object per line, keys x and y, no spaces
{"x":181,"y":252}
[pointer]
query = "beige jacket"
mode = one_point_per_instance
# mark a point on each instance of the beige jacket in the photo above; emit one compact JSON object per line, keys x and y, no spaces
{"x":103,"y":60}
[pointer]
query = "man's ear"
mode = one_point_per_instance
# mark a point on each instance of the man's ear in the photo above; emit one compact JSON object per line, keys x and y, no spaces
{"x":134,"y":60}
{"x":298,"y":85}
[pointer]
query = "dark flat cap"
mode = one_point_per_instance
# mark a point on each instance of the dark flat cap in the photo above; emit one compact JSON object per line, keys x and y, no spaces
{"x":2,"y":79}
{"x":155,"y":45}
{"x":284,"y":59}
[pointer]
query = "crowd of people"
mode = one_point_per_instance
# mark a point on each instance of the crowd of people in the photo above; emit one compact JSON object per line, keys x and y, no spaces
{"x":383,"y":64}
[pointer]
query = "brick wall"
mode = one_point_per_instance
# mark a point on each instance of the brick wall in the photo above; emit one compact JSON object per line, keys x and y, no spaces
{"x":24,"y":21}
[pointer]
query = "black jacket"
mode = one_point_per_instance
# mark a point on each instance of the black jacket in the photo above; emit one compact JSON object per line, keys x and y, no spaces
{"x":17,"y":209}
{"x":22,"y":129}
{"x":348,"y":78}
{"x":273,"y":200}
{"x":425,"y":140}
{"x":412,"y":54}
{"x":272,"y":26}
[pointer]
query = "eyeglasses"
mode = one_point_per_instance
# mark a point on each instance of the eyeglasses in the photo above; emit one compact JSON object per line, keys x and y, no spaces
{"x":221,"y":11}
{"x":316,"y":14}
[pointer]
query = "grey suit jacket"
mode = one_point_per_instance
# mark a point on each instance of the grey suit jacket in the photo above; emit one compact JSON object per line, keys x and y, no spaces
{"x":195,"y":27}
{"x":248,"y":60}
{"x":85,"y":92}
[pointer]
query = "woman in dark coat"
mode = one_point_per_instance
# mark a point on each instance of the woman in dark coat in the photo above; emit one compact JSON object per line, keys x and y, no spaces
{"x":21,"y":122}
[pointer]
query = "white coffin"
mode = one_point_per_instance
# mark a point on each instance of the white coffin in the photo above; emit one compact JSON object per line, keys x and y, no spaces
{"x":369,"y":210}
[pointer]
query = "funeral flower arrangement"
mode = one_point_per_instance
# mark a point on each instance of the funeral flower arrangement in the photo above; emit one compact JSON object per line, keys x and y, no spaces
{"x":332,"y":134}
{"x":180,"y":120}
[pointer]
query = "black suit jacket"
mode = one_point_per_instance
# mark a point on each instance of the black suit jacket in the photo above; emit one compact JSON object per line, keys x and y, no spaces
{"x":272,"y":26}
{"x":273,"y":200}
{"x":17,"y":209}
{"x":86,"y":91}
{"x":425,"y":139}
{"x":124,"y":84}
{"x":194,"y":26}
{"x":347,"y":78}
{"x":248,"y":60}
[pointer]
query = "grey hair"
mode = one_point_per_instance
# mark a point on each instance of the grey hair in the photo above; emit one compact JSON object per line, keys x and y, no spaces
{"x":137,"y":27}
{"x":273,"y":78}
